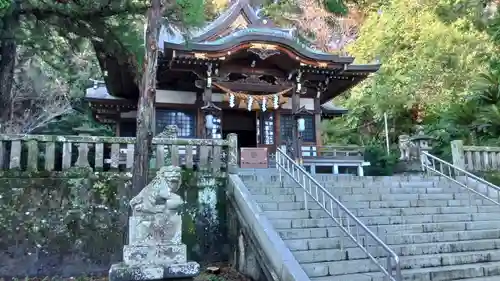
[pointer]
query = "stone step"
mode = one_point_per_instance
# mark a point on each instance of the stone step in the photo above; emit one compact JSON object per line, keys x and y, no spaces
{"x":381,"y":231}
{"x":364,"y":210}
{"x":424,"y":211}
{"x":393,"y":197}
{"x":319,"y":218}
{"x":361,"y":191}
{"x":354,"y":185}
{"x":378,"y":204}
{"x":270,"y":175}
{"x":439,"y":230}
{"x":398,"y":239}
{"x":354,"y":253}
{"x":407,"y":262}
{"x":443,"y":273}
{"x":486,"y":278}
{"x":382,"y":202}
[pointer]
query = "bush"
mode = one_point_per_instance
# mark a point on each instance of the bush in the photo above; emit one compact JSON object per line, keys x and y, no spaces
{"x":381,"y":164}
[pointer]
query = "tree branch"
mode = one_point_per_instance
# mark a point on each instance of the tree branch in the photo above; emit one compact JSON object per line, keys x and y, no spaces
{"x":104,"y":11}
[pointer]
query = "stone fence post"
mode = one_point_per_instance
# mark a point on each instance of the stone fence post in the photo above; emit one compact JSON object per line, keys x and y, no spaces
{"x":457,"y":153}
{"x":232,"y":156}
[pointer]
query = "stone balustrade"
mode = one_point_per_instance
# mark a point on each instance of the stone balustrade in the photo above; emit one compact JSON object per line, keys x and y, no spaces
{"x":59,"y":153}
{"x":475,"y":158}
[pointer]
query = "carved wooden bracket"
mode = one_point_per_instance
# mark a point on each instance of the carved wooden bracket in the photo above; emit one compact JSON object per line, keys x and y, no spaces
{"x":264,"y":51}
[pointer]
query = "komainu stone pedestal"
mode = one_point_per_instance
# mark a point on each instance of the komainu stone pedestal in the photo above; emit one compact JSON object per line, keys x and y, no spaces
{"x":155,"y":250}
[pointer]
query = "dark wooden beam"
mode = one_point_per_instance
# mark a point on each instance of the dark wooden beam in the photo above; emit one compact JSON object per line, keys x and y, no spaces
{"x":235,"y":68}
{"x":241,"y":69}
{"x":252,"y":87}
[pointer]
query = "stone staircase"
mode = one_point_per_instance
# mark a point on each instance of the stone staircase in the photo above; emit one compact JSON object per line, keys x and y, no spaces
{"x":428,"y":221}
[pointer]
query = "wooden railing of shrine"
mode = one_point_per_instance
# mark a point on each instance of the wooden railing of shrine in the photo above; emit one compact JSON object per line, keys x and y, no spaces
{"x":60,"y":153}
{"x":475,"y":158}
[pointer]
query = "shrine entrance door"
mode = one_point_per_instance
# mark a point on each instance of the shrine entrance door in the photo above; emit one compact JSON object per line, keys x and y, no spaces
{"x":242,"y":123}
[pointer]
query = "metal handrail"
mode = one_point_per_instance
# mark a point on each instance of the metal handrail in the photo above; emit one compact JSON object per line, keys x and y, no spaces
{"x":428,"y":162}
{"x":336,"y":210}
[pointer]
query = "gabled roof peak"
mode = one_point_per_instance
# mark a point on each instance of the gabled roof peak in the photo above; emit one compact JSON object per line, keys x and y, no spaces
{"x":241,"y":13}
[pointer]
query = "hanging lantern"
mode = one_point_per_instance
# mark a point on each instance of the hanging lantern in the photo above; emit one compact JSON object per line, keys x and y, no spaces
{"x":301,"y":124}
{"x":264,"y":105}
{"x":231,"y":100}
{"x":209,"y":121}
{"x":275,"y":102}
{"x":250,"y":102}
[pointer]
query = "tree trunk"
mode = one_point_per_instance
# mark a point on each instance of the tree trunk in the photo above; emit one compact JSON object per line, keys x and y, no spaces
{"x":145,"y":106}
{"x":8,"y":52}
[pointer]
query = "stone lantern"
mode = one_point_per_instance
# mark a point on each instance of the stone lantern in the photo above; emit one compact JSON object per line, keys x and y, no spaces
{"x":421,"y":140}
{"x":422,"y":143}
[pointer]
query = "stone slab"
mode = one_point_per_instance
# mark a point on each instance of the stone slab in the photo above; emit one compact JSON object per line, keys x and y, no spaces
{"x":155,"y":229}
{"x":139,"y":254}
{"x":124,"y":272}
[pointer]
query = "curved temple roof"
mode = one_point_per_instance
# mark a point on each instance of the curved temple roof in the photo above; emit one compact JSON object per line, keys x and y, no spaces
{"x":240,"y":24}
{"x":240,"y":28}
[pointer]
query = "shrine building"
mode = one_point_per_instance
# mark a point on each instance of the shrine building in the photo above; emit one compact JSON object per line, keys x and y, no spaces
{"x":240,"y":74}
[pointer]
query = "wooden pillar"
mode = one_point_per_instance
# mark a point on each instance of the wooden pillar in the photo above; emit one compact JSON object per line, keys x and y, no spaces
{"x":277,"y":124}
{"x":295,"y":132}
{"x":200,"y":117}
{"x":207,"y":98}
{"x":117,"y":128}
{"x":153,"y":126}
{"x":317,"y":124}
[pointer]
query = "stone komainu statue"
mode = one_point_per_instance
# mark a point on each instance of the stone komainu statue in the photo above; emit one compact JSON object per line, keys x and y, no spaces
{"x":407,"y":148}
{"x":158,"y":196}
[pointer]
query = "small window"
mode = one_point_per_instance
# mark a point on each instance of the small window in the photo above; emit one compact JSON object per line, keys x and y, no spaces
{"x":184,"y":120}
{"x":217,"y":129}
{"x":286,"y":128}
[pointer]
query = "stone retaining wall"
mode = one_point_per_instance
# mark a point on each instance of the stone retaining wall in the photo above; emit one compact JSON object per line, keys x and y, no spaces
{"x":72,"y":223}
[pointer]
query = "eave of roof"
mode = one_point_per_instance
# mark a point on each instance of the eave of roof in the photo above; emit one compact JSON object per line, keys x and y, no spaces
{"x":259,"y":35}
{"x":328,"y":108}
{"x":99,"y":93}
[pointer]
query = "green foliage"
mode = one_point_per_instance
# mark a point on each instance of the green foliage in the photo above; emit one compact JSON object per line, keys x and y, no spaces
{"x":493,"y":177}
{"x":425,"y":61}
{"x":62,"y":38}
{"x":336,"y":7}
{"x":130,"y":30}
{"x":441,"y":55}
{"x":4,"y":5}
{"x":381,"y":164}
{"x":192,"y":12}
{"x":279,"y":11}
